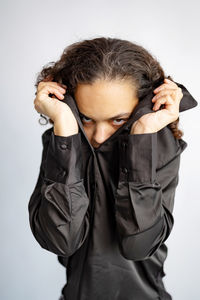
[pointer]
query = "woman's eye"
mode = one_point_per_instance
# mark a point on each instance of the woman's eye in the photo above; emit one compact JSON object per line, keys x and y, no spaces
{"x":116,"y":121}
{"x":85,"y":119}
{"x":119,"y":121}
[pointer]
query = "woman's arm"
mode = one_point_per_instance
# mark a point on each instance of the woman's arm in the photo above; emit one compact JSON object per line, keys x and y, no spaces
{"x":58,"y":206}
{"x":144,"y":200}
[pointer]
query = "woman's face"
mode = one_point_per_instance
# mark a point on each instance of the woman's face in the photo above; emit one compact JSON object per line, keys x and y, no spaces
{"x":104,"y":107}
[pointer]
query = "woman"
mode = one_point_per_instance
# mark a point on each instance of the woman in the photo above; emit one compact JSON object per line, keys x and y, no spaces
{"x":104,"y":197}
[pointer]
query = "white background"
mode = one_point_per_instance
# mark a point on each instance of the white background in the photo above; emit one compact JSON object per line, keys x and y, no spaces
{"x":34,"y":33}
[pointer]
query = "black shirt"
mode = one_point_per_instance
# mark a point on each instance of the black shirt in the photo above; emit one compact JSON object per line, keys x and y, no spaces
{"x":107,"y":212}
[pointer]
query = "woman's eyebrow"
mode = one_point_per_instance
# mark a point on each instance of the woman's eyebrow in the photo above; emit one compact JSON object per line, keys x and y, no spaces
{"x":112,"y":118}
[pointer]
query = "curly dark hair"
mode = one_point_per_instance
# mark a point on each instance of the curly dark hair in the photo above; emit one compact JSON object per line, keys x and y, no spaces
{"x":107,"y":58}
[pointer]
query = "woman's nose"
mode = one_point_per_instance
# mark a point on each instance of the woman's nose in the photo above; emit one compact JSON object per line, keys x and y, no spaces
{"x":100,"y":135}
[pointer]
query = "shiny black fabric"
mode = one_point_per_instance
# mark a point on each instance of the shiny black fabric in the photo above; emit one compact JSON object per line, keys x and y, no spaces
{"x":107,"y":212}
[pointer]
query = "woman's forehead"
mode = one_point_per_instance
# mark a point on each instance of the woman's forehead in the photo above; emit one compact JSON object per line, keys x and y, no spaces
{"x":104,"y":99}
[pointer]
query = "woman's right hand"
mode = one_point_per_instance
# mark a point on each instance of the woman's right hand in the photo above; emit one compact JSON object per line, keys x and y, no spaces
{"x":59,"y":112}
{"x":48,"y":106}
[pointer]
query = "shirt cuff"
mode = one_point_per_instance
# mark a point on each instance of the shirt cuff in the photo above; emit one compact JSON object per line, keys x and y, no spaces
{"x":64,"y":159}
{"x":138,"y":157}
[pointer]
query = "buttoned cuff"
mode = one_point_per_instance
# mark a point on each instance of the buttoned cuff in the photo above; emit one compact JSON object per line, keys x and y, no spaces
{"x":64,"y":159}
{"x":138,"y":157}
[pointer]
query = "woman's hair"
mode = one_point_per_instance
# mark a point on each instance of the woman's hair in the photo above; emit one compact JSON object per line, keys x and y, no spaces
{"x":107,"y":58}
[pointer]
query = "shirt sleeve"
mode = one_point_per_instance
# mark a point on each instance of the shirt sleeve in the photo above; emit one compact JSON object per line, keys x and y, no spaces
{"x":58,"y":206}
{"x":144,"y":200}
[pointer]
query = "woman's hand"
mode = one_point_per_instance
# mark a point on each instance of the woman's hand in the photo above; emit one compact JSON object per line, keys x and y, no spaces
{"x":60,"y":113}
{"x":168,"y":94}
{"x":46,"y":105}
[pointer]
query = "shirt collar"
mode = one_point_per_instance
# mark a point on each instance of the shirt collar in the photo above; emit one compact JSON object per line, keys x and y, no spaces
{"x":143,"y":107}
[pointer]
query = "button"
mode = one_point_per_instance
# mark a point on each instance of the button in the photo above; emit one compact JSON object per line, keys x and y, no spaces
{"x":62,"y":174}
{"x":124,"y":170}
{"x":124,"y":144}
{"x":64,"y":146}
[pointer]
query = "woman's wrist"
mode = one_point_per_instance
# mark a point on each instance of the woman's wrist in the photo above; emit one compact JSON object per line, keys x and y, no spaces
{"x":65,"y":126}
{"x":138,"y":128}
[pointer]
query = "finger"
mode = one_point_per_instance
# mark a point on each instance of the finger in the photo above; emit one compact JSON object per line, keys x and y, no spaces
{"x":164,"y":92}
{"x":54,"y":97}
{"x":47,"y":81}
{"x":51,"y":83}
{"x":57,"y":85}
{"x":163,"y":100}
{"x":43,"y":85}
{"x":47,"y":87}
{"x":167,"y":83}
{"x":170,"y":82}
{"x":51,"y":90}
{"x":164,"y":86}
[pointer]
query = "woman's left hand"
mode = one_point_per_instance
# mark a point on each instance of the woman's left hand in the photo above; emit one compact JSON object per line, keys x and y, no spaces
{"x":168,"y":94}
